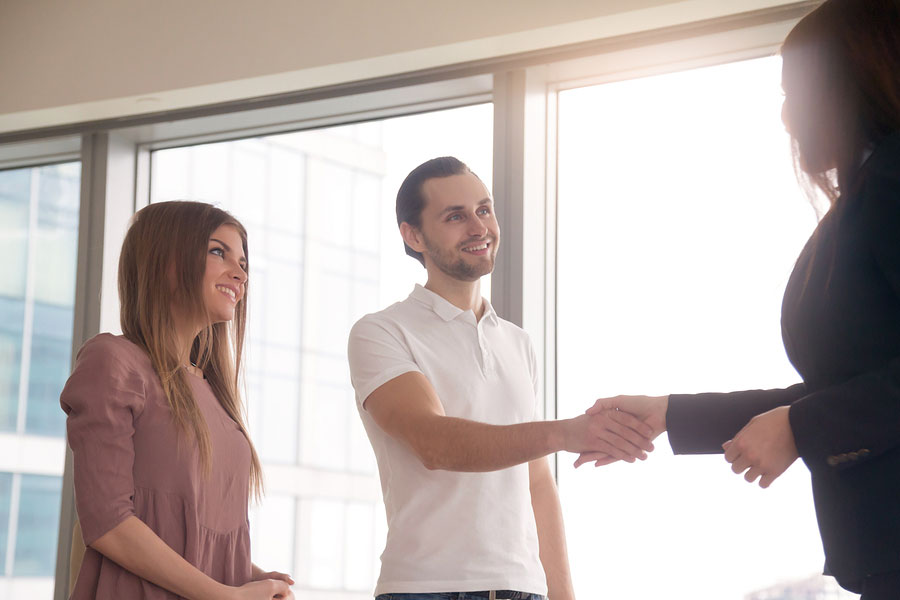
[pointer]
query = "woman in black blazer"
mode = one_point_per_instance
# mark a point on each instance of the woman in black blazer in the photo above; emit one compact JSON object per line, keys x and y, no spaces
{"x":841,"y":310}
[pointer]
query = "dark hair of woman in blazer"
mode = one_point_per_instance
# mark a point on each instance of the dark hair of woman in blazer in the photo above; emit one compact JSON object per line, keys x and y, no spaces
{"x":841,"y":309}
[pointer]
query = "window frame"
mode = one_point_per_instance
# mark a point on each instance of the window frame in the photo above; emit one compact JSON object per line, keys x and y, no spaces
{"x":115,"y":157}
{"x":22,"y":155}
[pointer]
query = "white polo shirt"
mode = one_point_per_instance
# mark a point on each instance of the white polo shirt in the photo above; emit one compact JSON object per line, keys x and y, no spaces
{"x":448,"y":531}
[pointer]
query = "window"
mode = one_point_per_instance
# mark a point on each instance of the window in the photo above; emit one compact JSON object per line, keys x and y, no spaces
{"x":324,"y":250}
{"x":39,"y":209}
{"x":679,"y":222}
{"x":35,"y":553}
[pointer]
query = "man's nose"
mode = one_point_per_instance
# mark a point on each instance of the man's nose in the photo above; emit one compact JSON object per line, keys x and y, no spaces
{"x":477,"y":227}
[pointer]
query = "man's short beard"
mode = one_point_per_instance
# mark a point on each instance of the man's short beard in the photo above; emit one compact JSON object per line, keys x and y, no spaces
{"x":459,"y":269}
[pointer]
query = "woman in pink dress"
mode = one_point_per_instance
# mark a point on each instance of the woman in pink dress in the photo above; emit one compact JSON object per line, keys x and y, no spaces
{"x":163,"y":464}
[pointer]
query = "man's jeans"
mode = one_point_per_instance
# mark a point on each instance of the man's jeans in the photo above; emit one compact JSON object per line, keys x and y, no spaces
{"x":458,"y":596}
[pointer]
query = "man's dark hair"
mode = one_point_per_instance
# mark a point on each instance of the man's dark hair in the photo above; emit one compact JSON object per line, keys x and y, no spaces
{"x":410,"y":200}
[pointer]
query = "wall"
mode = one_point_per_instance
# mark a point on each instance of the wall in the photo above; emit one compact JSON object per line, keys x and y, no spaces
{"x":64,"y":61}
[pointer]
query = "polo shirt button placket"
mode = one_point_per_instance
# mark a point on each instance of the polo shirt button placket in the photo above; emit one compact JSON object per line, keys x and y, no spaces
{"x":484,"y":354}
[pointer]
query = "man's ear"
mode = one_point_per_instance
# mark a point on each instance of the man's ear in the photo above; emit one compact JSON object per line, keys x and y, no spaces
{"x":412,"y":236}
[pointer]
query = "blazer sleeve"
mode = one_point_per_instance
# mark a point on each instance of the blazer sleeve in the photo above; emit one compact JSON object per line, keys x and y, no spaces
{"x":859,"y":419}
{"x":701,"y":423}
{"x":102,"y":398}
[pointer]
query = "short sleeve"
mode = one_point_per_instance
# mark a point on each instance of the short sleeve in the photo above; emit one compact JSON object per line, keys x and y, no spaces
{"x":376,"y":356}
{"x":102,"y":398}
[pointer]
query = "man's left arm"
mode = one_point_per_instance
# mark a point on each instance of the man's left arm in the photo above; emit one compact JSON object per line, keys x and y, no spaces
{"x":550,"y":529}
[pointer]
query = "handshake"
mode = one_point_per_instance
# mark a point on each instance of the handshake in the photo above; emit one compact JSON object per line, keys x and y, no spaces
{"x":619,"y":428}
{"x":624,"y":427}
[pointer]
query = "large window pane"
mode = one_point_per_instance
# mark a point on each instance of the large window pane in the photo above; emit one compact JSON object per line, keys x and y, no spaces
{"x":39,"y":210}
{"x":324,"y":251}
{"x":51,"y":355}
{"x":38,"y":524}
{"x":12,"y":315}
{"x":38,"y":235}
{"x":679,"y":222}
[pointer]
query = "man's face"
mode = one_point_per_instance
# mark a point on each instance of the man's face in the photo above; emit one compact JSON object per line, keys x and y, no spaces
{"x":459,"y":235}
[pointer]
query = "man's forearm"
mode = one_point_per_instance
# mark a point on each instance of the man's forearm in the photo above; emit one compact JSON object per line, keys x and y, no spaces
{"x":452,"y":444}
{"x":408,"y":409}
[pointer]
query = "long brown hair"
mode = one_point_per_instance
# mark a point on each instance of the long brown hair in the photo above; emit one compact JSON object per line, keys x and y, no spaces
{"x":161,"y":266}
{"x":842,"y":64}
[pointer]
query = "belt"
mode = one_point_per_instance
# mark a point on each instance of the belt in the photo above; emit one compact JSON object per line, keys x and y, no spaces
{"x":501,"y":595}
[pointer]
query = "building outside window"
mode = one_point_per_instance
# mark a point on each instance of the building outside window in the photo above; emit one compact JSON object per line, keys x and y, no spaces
{"x":39,"y":208}
{"x":324,"y":249}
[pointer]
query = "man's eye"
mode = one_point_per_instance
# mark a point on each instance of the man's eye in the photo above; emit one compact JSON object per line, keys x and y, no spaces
{"x":454,"y":218}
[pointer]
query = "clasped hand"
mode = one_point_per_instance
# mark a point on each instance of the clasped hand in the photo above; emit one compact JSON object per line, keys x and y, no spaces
{"x":764,"y":448}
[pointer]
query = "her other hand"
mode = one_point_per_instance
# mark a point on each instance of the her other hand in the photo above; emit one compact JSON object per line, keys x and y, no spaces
{"x":273,"y":575}
{"x":264,"y":589}
{"x":764,"y":448}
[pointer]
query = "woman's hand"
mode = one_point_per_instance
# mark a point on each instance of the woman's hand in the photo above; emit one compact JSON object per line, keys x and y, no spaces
{"x":264,"y":589}
{"x":273,"y":575}
{"x":765,"y":447}
{"x":258,"y":574}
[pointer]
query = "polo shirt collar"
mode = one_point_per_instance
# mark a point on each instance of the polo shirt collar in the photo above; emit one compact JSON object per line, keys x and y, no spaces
{"x":444,"y":308}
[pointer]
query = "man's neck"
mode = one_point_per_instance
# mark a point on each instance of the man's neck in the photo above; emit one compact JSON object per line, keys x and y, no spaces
{"x":465,"y":295}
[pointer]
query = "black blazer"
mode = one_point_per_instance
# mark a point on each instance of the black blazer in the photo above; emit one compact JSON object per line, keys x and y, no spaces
{"x":841,"y":328}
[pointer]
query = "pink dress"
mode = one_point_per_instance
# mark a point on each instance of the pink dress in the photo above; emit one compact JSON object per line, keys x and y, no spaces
{"x":131,"y":460}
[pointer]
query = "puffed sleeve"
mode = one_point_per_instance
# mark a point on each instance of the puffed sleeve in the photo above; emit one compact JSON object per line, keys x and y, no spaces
{"x":102,"y":398}
{"x":377,"y":353}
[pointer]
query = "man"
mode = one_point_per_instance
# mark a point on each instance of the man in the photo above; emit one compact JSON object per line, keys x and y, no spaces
{"x":447,"y":392}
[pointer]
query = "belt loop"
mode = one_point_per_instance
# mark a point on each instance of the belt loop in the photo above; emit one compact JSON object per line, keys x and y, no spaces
{"x":492,"y":595}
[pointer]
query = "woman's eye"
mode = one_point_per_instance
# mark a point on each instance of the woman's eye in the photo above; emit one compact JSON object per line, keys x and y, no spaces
{"x":218,"y":252}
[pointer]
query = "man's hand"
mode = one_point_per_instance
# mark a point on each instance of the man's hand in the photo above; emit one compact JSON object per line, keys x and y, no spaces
{"x":649,"y":409}
{"x":612,"y":434}
{"x":764,"y":448}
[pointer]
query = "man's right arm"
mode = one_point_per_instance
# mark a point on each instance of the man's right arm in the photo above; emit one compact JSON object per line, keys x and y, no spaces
{"x":408,"y":409}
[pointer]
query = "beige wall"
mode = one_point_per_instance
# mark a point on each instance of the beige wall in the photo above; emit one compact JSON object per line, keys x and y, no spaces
{"x":72,"y":60}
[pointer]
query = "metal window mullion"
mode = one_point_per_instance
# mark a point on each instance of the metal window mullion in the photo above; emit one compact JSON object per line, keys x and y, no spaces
{"x":108,"y":165}
{"x":550,"y":233}
{"x":14,"y":502}
{"x":519,"y":285}
{"x":28,"y":317}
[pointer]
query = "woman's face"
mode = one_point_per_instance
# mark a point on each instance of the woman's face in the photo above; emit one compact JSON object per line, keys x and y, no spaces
{"x":225,"y":277}
{"x":806,"y":116}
